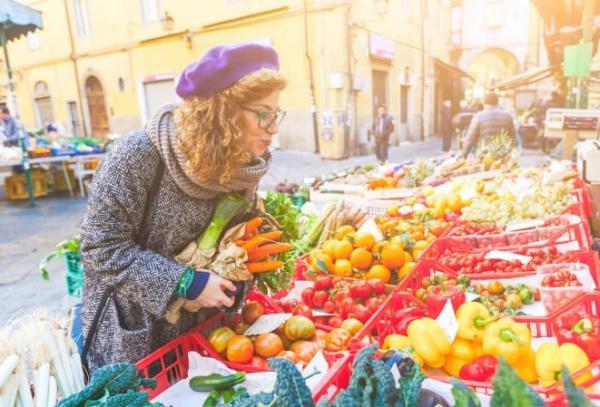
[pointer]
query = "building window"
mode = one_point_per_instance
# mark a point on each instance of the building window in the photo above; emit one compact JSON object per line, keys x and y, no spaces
{"x":82,"y":20}
{"x":150,"y":11}
{"x":44,"y":113}
{"x":33,"y":40}
{"x":494,"y":14}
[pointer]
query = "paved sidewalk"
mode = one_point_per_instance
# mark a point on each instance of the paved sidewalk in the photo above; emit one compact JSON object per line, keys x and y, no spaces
{"x":28,"y":234}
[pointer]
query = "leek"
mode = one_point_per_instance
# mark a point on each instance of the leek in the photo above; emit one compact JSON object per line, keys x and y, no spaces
{"x":228,"y":207}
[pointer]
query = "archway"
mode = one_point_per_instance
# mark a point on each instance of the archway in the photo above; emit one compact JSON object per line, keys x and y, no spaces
{"x":491,"y":65}
{"x":96,"y":107}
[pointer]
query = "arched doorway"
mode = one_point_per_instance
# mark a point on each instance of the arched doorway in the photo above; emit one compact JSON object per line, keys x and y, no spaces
{"x":492,"y":65}
{"x":96,"y":107}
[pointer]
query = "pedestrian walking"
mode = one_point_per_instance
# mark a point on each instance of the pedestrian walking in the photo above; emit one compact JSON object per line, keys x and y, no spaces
{"x":383,"y":126}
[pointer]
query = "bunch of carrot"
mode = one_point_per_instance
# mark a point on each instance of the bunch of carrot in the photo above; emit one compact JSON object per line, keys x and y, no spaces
{"x":262,"y":247}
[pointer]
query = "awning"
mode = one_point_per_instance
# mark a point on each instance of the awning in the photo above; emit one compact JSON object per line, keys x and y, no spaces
{"x":452,"y":69}
{"x":17,"y":19}
{"x":526,"y":78}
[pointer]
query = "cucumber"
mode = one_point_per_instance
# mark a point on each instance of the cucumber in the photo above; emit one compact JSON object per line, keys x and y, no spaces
{"x":213,"y":399}
{"x":216,"y":381}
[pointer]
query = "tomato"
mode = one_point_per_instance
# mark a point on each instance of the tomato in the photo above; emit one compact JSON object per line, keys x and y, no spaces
{"x":329,"y":307}
{"x":335,"y":322}
{"x":340,"y":296}
{"x":304,"y":350}
{"x":361,"y":312}
{"x":352,"y":325}
{"x":258,"y":362}
{"x":289,"y":305}
{"x":372,"y":304}
{"x":323,"y":282}
{"x":346,"y":305}
{"x":319,"y":298}
{"x":240,"y":349}
{"x":304,"y":310}
{"x":337,"y":340}
{"x":298,"y":327}
{"x":360,"y":289}
{"x":307,"y":296}
{"x":289,"y":355}
{"x":219,"y":338}
{"x":252,"y":311}
{"x":376,"y":285}
{"x":268,"y":345}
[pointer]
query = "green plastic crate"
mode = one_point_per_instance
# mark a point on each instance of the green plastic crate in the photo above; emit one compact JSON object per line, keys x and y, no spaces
{"x":74,"y":276}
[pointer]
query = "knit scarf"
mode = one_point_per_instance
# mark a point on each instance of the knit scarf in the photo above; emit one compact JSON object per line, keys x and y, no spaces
{"x":165,"y":137}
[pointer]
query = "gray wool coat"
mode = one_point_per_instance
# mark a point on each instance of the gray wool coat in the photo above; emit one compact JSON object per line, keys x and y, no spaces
{"x":135,"y":258}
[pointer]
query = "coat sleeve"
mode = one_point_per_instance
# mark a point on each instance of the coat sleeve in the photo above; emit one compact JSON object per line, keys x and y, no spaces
{"x":111,"y":226}
{"x":472,"y":135}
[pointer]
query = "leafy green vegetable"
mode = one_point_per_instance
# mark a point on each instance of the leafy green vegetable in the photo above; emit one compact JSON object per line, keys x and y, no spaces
{"x":463,"y":395}
{"x":113,"y":386}
{"x":371,"y":383}
{"x":287,"y":215}
{"x":290,"y":389}
{"x":410,"y":385}
{"x":576,"y":397}
{"x":69,"y":246}
{"x":511,"y":390}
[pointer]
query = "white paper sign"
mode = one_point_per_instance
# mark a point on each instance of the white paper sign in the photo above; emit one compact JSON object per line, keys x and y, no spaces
{"x":448,"y":321}
{"x":267,"y":323}
{"x":371,"y":227}
{"x":299,"y":286}
{"x":318,"y":367}
{"x":471,"y":296}
{"x":395,"y":373}
{"x":527,"y":224}
{"x":508,"y":256}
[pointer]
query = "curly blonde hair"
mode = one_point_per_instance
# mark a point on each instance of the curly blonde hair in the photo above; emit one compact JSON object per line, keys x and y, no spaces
{"x":210,"y":129}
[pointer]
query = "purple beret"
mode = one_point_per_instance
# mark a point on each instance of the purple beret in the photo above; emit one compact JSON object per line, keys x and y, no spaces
{"x":222,"y":66}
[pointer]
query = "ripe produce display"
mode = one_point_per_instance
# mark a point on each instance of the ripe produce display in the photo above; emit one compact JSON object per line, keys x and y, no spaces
{"x":476,"y":262}
{"x":559,"y":284}
{"x":582,"y":329}
{"x":498,"y":298}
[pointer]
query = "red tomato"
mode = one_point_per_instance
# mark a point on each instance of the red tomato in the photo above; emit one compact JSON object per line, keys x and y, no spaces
{"x":304,"y":310}
{"x":361,"y":312}
{"x":346,"y":305}
{"x":372,"y":304}
{"x":360,"y":290}
{"x":258,"y":362}
{"x":377,"y":285}
{"x":340,"y":296}
{"x":323,"y":282}
{"x":319,"y":298}
{"x":289,"y":305}
{"x":335,"y":322}
{"x":329,"y":307}
{"x":307,"y":296}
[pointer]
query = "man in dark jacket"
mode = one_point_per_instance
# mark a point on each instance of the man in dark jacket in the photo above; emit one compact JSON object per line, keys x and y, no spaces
{"x":383,"y":126}
{"x":488,"y":123}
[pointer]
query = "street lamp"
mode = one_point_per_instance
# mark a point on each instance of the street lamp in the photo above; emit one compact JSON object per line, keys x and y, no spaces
{"x":167,"y":22}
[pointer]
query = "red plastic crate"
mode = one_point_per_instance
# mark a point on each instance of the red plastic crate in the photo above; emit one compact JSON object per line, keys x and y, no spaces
{"x":169,"y":364}
{"x":572,"y":236}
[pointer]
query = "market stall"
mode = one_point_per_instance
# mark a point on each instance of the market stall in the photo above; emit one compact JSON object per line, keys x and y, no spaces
{"x":471,"y":283}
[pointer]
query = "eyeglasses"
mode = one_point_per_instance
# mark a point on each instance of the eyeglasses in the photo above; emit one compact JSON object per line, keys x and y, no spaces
{"x":266,"y":118}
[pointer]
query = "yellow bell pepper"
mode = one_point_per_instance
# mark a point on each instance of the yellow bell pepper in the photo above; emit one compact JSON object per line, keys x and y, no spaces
{"x":473,"y":318}
{"x":461,"y":353}
{"x":401,"y":342}
{"x":429,"y":340}
{"x":525,"y":368}
{"x":508,"y":339}
{"x":550,"y":358}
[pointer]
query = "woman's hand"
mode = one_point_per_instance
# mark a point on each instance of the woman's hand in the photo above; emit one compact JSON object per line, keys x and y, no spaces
{"x":213,"y":295}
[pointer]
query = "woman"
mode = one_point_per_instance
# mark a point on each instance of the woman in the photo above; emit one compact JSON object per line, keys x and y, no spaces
{"x":156,"y":192}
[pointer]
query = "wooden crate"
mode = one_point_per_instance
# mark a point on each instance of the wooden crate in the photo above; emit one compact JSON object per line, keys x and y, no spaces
{"x":16,"y":189}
